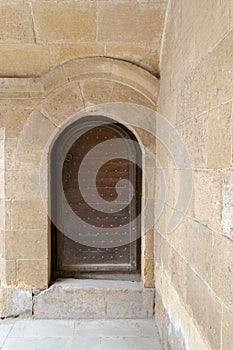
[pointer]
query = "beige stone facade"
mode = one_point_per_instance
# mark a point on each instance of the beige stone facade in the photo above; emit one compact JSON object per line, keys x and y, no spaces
{"x":196,"y":96}
{"x":62,"y":60}
{"x":78,"y":88}
{"x":36,"y":36}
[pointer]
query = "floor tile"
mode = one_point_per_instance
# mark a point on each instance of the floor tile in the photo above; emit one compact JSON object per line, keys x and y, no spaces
{"x":85,"y":343}
{"x":5,"y":328}
{"x":48,"y":334}
{"x":116,"y":327}
{"x":132,"y":343}
{"x":42,"y":328}
{"x":37,"y":343}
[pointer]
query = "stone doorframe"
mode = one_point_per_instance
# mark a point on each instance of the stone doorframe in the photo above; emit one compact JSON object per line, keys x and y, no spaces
{"x":90,"y":86}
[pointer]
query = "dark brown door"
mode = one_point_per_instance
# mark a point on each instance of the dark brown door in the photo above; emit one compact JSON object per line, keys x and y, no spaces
{"x":105,"y":238}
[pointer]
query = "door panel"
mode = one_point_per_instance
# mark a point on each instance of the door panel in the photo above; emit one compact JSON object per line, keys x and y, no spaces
{"x":104,"y":206}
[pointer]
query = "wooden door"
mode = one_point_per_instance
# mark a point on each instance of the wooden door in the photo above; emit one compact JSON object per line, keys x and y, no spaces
{"x":72,"y":258}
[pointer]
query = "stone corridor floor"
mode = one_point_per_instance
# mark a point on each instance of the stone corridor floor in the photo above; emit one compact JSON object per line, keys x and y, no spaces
{"x":30,"y":334}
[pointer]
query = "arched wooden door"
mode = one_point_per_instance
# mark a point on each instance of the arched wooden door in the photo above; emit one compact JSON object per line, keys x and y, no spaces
{"x":78,"y":251}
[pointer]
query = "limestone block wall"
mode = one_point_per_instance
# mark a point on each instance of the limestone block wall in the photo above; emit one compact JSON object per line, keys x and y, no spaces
{"x":194,"y":263}
{"x":36,"y":35}
{"x":33,"y":112}
{"x":44,"y":79}
{"x":2,"y":197}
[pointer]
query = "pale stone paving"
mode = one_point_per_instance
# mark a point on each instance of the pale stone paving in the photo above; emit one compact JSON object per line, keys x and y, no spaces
{"x":30,"y":334}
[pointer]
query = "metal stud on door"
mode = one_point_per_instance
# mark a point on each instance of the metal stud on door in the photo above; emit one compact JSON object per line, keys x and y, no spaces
{"x":72,"y":258}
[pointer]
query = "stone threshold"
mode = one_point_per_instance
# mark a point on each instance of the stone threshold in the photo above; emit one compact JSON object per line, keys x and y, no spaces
{"x":86,"y":299}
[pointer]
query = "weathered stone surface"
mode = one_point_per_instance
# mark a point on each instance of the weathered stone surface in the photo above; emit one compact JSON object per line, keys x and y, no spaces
{"x":196,"y":340}
{"x":205,"y":307}
{"x":69,"y":303}
{"x":149,"y":141}
{"x":168,"y":107}
{"x":134,"y":53}
{"x":227,"y":334}
{"x":61,"y":21}
{"x":13,"y":122}
{"x":16,"y":23}
{"x":188,"y":98}
{"x":222,"y":272}
{"x":171,"y":188}
{"x":9,"y":273}
{"x":15,"y":302}
{"x":23,"y":60}
{"x":194,"y":135}
{"x":213,"y":27}
{"x":5,"y":214}
{"x":20,"y":87}
{"x":18,"y":104}
{"x":138,"y":79}
{"x":149,"y":273}
{"x":163,"y":253}
{"x":179,"y":274}
{"x":78,"y":29}
{"x":178,"y":329}
{"x":96,"y":91}
{"x":99,"y":299}
{"x":227,"y":210}
{"x":2,"y":144}
{"x":22,"y":185}
{"x":2,"y":180}
{"x":17,"y":160}
{"x":143,"y":84}
{"x":62,"y":104}
{"x":2,"y":215}
{"x":2,"y":271}
{"x":35,"y":135}
{"x":54,"y":79}
{"x":123,"y":93}
{"x":196,"y":97}
{"x":215,"y":84}
{"x":31,"y":244}
{"x":32,"y":274}
{"x":198,"y":248}
{"x":162,"y":156}
{"x":130,"y":22}
{"x":36,"y":217}
{"x":129,"y":304}
{"x":219,"y":137}
{"x":2,"y":243}
{"x":159,"y":313}
{"x":149,"y":244}
{"x":208,"y":198}
{"x":64,"y":52}
{"x":88,"y":68}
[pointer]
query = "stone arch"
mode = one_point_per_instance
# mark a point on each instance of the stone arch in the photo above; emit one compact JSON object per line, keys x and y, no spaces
{"x":92,"y":86}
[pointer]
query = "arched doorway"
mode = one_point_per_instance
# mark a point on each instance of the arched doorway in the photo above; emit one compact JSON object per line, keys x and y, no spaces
{"x":97,"y":230}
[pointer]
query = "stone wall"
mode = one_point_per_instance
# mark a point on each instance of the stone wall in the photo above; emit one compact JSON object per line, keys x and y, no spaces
{"x":45,"y":77}
{"x":34,"y":111}
{"x":37,"y":35}
{"x":194,"y":274}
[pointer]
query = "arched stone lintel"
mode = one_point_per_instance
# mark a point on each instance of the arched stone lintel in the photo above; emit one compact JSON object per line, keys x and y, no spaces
{"x":101,"y":68}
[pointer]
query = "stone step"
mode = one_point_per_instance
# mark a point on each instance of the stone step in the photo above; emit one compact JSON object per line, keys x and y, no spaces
{"x":79,"y":299}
